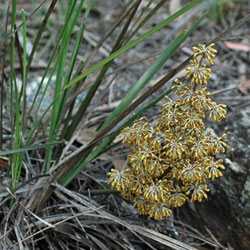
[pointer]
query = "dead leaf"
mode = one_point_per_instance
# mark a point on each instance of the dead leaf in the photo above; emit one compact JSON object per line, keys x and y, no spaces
{"x":86,"y":135}
{"x":3,"y":162}
{"x":245,"y":90}
{"x":119,"y":164}
{"x":237,"y":46}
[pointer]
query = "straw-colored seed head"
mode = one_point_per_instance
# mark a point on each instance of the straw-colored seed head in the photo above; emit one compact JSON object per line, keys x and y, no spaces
{"x":171,"y":162}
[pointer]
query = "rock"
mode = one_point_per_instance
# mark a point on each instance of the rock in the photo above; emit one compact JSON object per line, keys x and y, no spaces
{"x":226,"y":212}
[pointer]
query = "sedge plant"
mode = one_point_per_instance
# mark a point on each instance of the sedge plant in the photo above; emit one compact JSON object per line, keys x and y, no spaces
{"x":172,"y":161}
{"x":62,"y":117}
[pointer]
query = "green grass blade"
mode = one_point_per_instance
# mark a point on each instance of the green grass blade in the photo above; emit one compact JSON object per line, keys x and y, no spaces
{"x":146,"y":77}
{"x":133,"y":43}
{"x":59,"y":79}
{"x":149,"y":92}
{"x":24,"y":72}
{"x":144,"y":10}
{"x":52,"y":57}
{"x":62,"y":5}
{"x":91,"y":93}
{"x":12,"y":68}
{"x":71,"y":65}
{"x":31,"y":148}
{"x":101,"y":148}
{"x":146,"y":18}
{"x":19,"y":127}
{"x":75,"y":52}
{"x":4,"y":33}
{"x":13,"y":170}
{"x":40,"y":31}
{"x":16,"y":166}
{"x":88,"y":9}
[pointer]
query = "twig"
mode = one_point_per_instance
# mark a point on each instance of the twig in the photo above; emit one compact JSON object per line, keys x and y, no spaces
{"x":230,"y":88}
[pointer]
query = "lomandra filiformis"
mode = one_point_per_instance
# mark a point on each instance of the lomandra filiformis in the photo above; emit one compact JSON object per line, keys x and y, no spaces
{"x":172,"y":162}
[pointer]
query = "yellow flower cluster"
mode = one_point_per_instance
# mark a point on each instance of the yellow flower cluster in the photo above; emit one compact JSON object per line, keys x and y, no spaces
{"x":171,"y":162}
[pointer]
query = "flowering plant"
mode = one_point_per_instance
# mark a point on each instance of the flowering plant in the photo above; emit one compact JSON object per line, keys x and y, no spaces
{"x":172,"y":162}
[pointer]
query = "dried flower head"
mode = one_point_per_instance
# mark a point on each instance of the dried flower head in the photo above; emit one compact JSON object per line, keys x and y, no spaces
{"x":200,"y":73}
{"x":173,"y":161}
{"x":204,"y":51}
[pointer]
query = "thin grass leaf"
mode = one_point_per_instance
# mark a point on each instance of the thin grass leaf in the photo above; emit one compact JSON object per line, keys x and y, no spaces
{"x":146,"y":18}
{"x":145,"y":78}
{"x":24,"y":72}
{"x":16,"y":166}
{"x":82,"y":109}
{"x":12,"y":68}
{"x":13,"y":171}
{"x":52,"y":57}
{"x":40,"y":31}
{"x":31,"y":148}
{"x":75,"y":52}
{"x":144,"y":10}
{"x":59,"y":77}
{"x":5,"y":29}
{"x":101,"y":148}
{"x":18,"y":158}
{"x":133,"y":43}
{"x":62,"y":5}
{"x":151,"y":90}
{"x":71,"y":66}
{"x":49,"y":43}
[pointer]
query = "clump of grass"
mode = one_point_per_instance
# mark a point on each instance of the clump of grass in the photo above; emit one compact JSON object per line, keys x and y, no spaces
{"x":59,"y":119}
